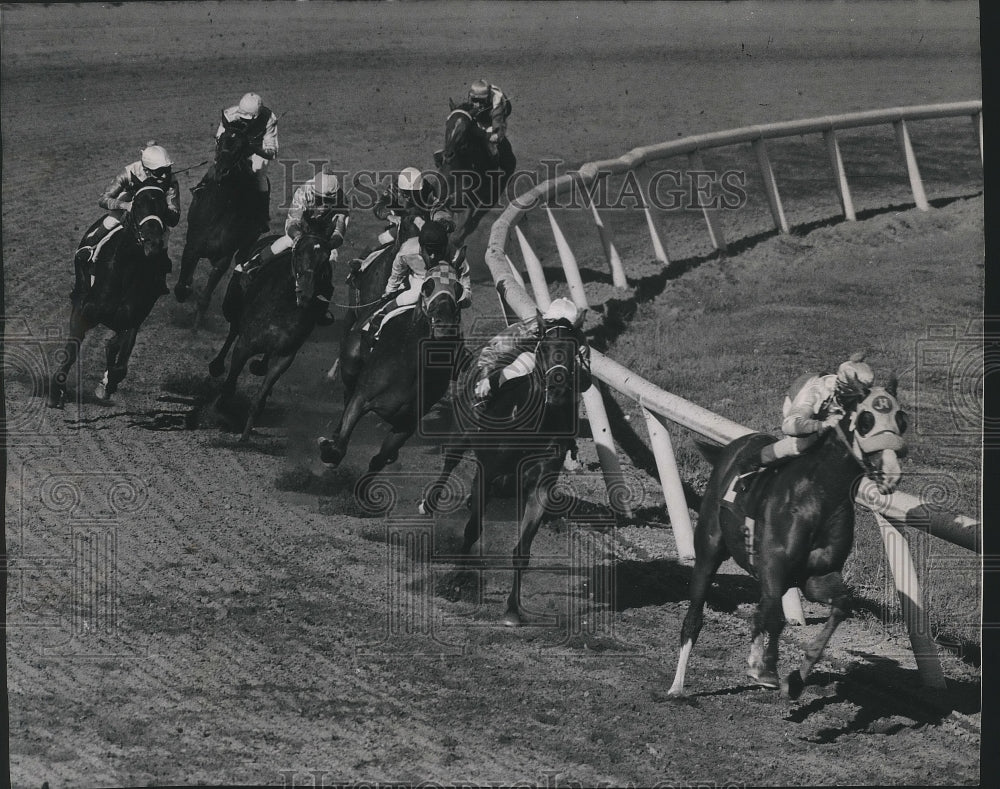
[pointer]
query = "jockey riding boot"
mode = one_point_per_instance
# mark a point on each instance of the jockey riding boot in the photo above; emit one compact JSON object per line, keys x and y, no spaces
{"x":506,"y":158}
{"x":206,"y":179}
{"x":258,"y":261}
{"x":355,"y":270}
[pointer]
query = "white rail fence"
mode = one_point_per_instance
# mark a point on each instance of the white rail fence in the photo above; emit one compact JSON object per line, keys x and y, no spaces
{"x":663,"y":410}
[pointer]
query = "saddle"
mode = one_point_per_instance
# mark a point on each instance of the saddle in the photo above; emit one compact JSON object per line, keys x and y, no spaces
{"x":371,"y":328}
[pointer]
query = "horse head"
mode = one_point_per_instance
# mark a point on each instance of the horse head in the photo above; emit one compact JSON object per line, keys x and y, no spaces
{"x":556,"y":361}
{"x":232,"y":149}
{"x":310,"y":252}
{"x":147,"y":216}
{"x":464,"y":140}
{"x":875,"y":431}
{"x":439,"y":296}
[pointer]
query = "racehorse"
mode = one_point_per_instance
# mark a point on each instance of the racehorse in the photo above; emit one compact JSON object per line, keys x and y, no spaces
{"x":397,"y":378}
{"x":794,"y":527}
{"x":471,"y":169}
{"x":525,"y":430}
{"x":125,"y":288}
{"x":221,"y":222}
{"x":273,"y":315}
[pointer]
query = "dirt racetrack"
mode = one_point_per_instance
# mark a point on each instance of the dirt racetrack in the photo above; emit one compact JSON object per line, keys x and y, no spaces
{"x":185,"y":609}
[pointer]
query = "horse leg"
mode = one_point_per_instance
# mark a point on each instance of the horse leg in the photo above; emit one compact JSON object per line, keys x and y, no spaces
{"x":217,"y":366}
{"x":189,"y":259}
{"x":389,"y":451}
{"x":118,"y":369}
{"x":710,"y":553}
{"x":534,"y":511}
{"x":57,"y":384}
{"x":453,"y":454}
{"x":332,"y":451}
{"x":241,"y":354}
{"x":276,"y":369}
{"x":103,"y":389}
{"x":768,"y":622}
{"x":219,"y":268}
{"x":829,"y":588}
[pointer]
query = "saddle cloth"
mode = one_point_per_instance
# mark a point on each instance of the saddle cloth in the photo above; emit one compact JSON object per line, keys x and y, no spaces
{"x":738,"y":499}
{"x":393,"y":313}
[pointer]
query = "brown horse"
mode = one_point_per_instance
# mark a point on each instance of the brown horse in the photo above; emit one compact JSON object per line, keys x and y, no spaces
{"x":524,"y":430}
{"x":394,"y":379}
{"x":793,"y":528}
{"x":221,"y":222}
{"x":125,"y":288}
{"x":274,"y":315}
{"x":475,"y":180}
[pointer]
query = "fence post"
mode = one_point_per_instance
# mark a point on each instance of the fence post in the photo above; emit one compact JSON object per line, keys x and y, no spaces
{"x":610,"y":252}
{"x":534,"y":269}
{"x":904,"y":575}
{"x":670,"y":480}
{"x":770,"y":186}
{"x":659,"y":253}
{"x":840,"y":177}
{"x":903,"y":138}
{"x":570,"y":269}
{"x":711,"y":213}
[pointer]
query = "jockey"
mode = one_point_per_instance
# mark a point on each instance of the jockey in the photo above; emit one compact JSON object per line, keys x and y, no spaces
{"x":511,"y":353}
{"x":262,"y":131}
{"x":154,"y":166}
{"x":432,"y":249}
{"x":321,"y":202}
{"x":409,"y":206}
{"x":412,"y":200}
{"x":490,"y":108}
{"x":815,"y":404}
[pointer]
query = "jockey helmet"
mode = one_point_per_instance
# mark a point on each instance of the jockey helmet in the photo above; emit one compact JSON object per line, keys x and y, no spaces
{"x":156,"y":161}
{"x":562,"y":309}
{"x":479,"y":92}
{"x":434,"y":240}
{"x":854,"y":379}
{"x":250,"y":105}
{"x":410,"y":179}
{"x":327,"y":184}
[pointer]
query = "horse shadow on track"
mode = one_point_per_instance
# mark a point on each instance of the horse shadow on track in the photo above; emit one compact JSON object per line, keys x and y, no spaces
{"x":888,"y":699}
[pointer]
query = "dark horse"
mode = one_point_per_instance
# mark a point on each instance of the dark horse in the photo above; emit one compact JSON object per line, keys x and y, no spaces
{"x":525,"y":430}
{"x":273,"y":315}
{"x":802,"y":511}
{"x":474,"y":178}
{"x":221,"y":221}
{"x":125,"y":288}
{"x":398,"y":378}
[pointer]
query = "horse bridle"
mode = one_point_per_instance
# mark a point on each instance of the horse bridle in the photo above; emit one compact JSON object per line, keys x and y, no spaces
{"x":447,"y":283}
{"x":136,"y":227}
{"x":554,"y":367}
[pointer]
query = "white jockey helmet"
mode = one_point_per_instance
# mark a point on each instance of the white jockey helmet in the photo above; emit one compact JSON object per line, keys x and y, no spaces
{"x":326,"y":184}
{"x":410,"y":179}
{"x":250,"y":106}
{"x":854,"y":377}
{"x":155,"y":157}
{"x":562,"y":309}
{"x":479,"y":91}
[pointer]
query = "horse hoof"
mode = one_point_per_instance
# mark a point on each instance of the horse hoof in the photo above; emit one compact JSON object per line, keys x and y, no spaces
{"x":791,"y":687}
{"x":422,"y":507}
{"x":331,"y":374}
{"x":181,"y":292}
{"x":765,"y":678}
{"x":512,"y":619}
{"x":101,"y":392}
{"x":328,"y":452}
{"x":257,"y":367}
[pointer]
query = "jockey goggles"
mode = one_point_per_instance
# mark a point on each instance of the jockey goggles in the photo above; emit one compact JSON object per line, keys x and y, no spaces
{"x":161,"y":173}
